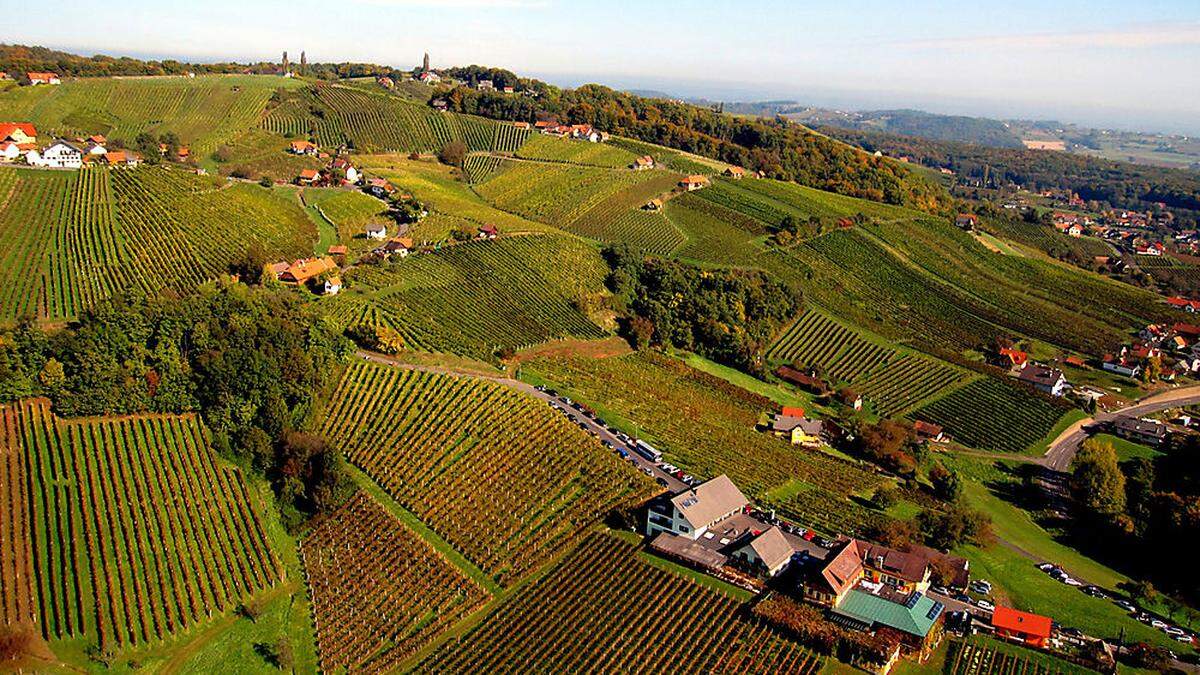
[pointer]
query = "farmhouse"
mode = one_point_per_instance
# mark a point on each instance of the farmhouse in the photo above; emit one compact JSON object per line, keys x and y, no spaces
{"x":96,"y":149}
{"x":305,"y":269}
{"x":122,"y":158}
{"x":386,"y":82}
{"x":308,"y":176}
{"x":509,"y":90}
{"x":20,"y":133}
{"x":1186,"y":305}
{"x":694,"y":182}
{"x":302,"y":148}
{"x":642,"y":163}
{"x":429,"y":77}
{"x":332,"y":286}
{"x":43,"y":78}
{"x":653,"y":205}
{"x":801,"y":430}
{"x":1155,"y":249}
{"x":1145,"y":431}
{"x":1010,"y":357}
{"x":398,"y":246}
{"x":735,"y":172}
{"x":1012,"y":624}
{"x":341,"y":164}
{"x":9,"y":151}
{"x":376,"y":231}
{"x":339,"y":249}
{"x":966,"y":221}
{"x":1044,"y":378}
{"x":850,"y":398}
{"x":488,"y":231}
{"x":769,"y":552}
{"x":803,"y":380}
{"x":60,"y":155}
{"x":928,"y":431}
{"x":379,"y":187}
{"x":691,"y":513}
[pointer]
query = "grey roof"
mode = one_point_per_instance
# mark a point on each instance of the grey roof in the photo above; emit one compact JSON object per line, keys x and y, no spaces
{"x":1035,"y":374}
{"x":682,"y":547}
{"x":772,"y":547}
{"x":809,"y":426}
{"x":710,"y":501}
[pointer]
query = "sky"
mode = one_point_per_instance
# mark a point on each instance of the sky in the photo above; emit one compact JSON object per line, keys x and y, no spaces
{"x":1125,"y":64}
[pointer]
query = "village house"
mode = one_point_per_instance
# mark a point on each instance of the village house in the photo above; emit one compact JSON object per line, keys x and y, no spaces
{"x":379,"y":187}
{"x":807,"y":382}
{"x":95,"y":149}
{"x":694,"y":182}
{"x":1145,"y":431}
{"x":9,"y":151}
{"x":522,"y":125}
{"x":386,"y":82}
{"x":642,"y":163}
{"x":653,"y":205}
{"x":332,"y":286}
{"x":1121,"y":365}
{"x":118,"y":158}
{"x":440,"y":104}
{"x":928,"y":431}
{"x":429,"y":77}
{"x":305,"y":269}
{"x":21,"y":133}
{"x":735,"y":172}
{"x":967,"y":221}
{"x":1015,"y":625}
{"x":338,"y":249}
{"x":691,"y":513}
{"x":770,"y":552}
{"x":347,"y":168}
{"x":43,"y":78}
{"x":1190,"y":306}
{"x":303,"y":147}
{"x":376,"y":231}
{"x":1154,"y":249}
{"x":308,"y":176}
{"x":1069,"y":229}
{"x":803,"y":431}
{"x":1044,"y":378}
{"x":396,"y":246}
{"x":850,"y":398}
{"x":59,"y":155}
{"x":485,"y":85}
{"x":488,"y":231}
{"x":509,"y":90}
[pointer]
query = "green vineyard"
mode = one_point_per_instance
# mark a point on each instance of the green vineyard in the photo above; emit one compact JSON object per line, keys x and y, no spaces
{"x":535,"y":287}
{"x":602,"y":608}
{"x":379,"y":591}
{"x":479,"y":167}
{"x":138,"y":531}
{"x":570,"y":151}
{"x":700,"y":422}
{"x":672,"y":159}
{"x":994,"y":414}
{"x":892,"y":380}
{"x":497,"y":474}
{"x":204,"y":112}
{"x":622,"y":218}
{"x":75,"y":238}
{"x":715,"y":234}
{"x":557,"y":194}
{"x":977,"y":656}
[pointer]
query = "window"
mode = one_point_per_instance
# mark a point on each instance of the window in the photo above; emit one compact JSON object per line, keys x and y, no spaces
{"x":683,"y":528}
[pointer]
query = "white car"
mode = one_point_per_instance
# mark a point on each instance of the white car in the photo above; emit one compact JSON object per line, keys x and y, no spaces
{"x":1184,"y":638}
{"x":985,"y":606}
{"x":1159,"y":624}
{"x":1174,"y":631}
{"x":1046,"y":567}
{"x":1072,"y":582}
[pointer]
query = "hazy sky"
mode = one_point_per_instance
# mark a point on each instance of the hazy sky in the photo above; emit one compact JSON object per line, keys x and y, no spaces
{"x":1130,"y":63}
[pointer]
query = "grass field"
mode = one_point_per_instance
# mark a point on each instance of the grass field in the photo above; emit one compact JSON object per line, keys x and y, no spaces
{"x":138,"y":531}
{"x":701,"y":423}
{"x":994,"y":414}
{"x":204,"y":112}
{"x":349,"y":211}
{"x":715,"y":235}
{"x":379,"y":591}
{"x":75,"y":238}
{"x":604,"y":607}
{"x":537,"y":288}
{"x":497,"y":474}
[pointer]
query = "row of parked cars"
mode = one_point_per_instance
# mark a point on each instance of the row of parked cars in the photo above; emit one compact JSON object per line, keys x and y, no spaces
{"x":1059,"y":574}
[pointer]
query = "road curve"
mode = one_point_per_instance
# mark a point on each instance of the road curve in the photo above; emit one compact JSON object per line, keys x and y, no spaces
{"x":1062,"y":449}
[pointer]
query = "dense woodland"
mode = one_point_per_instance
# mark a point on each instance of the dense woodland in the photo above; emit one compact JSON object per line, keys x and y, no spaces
{"x":726,"y":315}
{"x":252,"y":361}
{"x":779,"y":148}
{"x":1108,"y":183}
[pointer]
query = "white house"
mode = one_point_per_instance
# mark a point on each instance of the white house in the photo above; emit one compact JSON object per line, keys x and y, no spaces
{"x":1044,"y":379}
{"x":333,"y":285}
{"x":60,"y":154}
{"x":376,"y":231}
{"x":96,"y":149}
{"x":9,"y":151}
{"x":692,"y":512}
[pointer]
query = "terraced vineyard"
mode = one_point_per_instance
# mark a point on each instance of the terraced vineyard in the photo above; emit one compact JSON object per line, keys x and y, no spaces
{"x":379,"y":591}
{"x":994,"y":414}
{"x":770,"y":200}
{"x":557,"y":194}
{"x":74,"y":238}
{"x":499,"y":475}
{"x":702,"y":423}
{"x":204,"y":112}
{"x":139,"y":532}
{"x":509,"y":138}
{"x":535,"y":287}
{"x":892,"y":380}
{"x":571,"y":151}
{"x":979,"y":657}
{"x":603,"y":608}
{"x":18,"y":599}
{"x":374,"y":121}
{"x":621,"y":218}
{"x":480,"y":167}
{"x":714,"y":233}
{"x":810,"y":505}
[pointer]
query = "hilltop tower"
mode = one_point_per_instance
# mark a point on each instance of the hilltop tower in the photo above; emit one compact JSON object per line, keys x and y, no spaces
{"x":425,"y":63}
{"x":303,"y":63}
{"x":285,"y":63}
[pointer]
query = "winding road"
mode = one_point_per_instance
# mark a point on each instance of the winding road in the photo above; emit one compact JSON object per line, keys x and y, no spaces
{"x":1062,"y":449}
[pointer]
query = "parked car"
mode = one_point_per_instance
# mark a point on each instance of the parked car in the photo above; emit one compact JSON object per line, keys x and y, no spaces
{"x":622,"y":454}
{"x":540,"y":387}
{"x":1125,"y":605}
{"x":941,"y":590}
{"x":1046,"y":567}
{"x":1072,"y":631}
{"x":985,"y":606}
{"x":1161,"y":625}
{"x":1185,"y":638}
{"x":963,"y":597}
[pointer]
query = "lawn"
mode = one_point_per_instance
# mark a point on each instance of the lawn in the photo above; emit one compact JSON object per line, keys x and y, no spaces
{"x":1127,"y":450}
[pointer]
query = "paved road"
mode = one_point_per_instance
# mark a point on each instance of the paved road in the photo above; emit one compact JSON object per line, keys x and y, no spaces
{"x":1062,"y":450}
{"x":602,"y":433}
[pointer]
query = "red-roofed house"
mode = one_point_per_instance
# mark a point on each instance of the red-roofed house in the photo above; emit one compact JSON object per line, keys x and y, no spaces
{"x":966,"y":221}
{"x":308,"y":176}
{"x":303,"y":148}
{"x":1184,"y":304}
{"x":1010,"y":357}
{"x":792,"y":411}
{"x":9,"y":151}
{"x":1013,"y":624}
{"x":488,"y":231}
{"x":18,"y":132}
{"x":43,"y":78}
{"x":693,"y":182}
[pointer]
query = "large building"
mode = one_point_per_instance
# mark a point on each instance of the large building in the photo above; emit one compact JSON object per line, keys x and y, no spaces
{"x":691,"y":513}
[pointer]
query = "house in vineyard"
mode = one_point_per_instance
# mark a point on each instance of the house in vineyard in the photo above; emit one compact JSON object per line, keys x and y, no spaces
{"x":693,"y":512}
{"x":1044,"y":378}
{"x":59,"y":155}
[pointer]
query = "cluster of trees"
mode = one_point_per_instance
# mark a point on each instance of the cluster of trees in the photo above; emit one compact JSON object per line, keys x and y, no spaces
{"x":807,"y":625}
{"x":471,"y":75}
{"x":1140,"y":505}
{"x":779,"y":148}
{"x":1107,"y":183}
{"x":252,"y":361}
{"x":726,"y":315}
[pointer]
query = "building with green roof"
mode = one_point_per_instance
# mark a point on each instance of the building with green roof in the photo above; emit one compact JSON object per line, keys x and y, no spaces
{"x":915,"y":617}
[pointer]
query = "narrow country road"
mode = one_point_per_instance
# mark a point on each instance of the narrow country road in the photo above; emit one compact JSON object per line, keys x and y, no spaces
{"x":603,"y":433}
{"x":1062,"y":449}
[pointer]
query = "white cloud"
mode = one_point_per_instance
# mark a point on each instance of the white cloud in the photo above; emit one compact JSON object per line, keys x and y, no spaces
{"x":1133,"y":37}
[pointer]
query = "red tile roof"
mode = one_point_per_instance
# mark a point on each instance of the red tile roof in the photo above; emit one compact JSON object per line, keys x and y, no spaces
{"x":1016,"y":621}
{"x":7,"y":128}
{"x":792,"y":411}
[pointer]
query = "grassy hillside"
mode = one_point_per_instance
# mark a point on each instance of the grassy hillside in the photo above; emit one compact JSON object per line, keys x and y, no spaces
{"x":440,"y":446}
{"x":74,"y":238}
{"x":204,"y":112}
